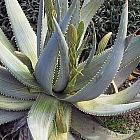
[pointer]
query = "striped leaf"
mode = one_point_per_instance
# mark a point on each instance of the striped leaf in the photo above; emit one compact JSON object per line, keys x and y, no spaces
{"x":124,"y":96}
{"x":95,"y":66}
{"x":25,"y":36}
{"x":25,"y":60}
{"x":97,"y":85}
{"x":124,"y":72}
{"x":100,"y":109}
{"x":16,"y":67}
{"x":45,"y":67}
{"x":61,"y":123}
{"x":88,"y":10}
{"x":130,"y":61}
{"x":14,"y":104}
{"x":10,"y":87}
{"x":4,"y":40}
{"x":41,"y":116}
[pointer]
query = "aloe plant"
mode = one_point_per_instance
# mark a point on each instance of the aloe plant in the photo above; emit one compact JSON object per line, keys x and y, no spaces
{"x":45,"y":82}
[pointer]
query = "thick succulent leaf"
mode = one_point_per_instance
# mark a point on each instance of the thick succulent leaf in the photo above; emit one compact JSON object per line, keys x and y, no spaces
{"x":8,"y":116}
{"x":4,"y":40}
{"x":25,"y":60}
{"x":97,"y":85}
{"x":103,"y":43}
{"x":121,"y":97}
{"x":56,"y":70}
{"x":107,"y":103}
{"x":101,"y":109}
{"x":124,"y":72}
{"x":41,"y":116}
{"x":25,"y":36}
{"x":64,"y":7}
{"x":10,"y":87}
{"x":16,"y":67}
{"x":14,"y":104}
{"x":45,"y":67}
{"x":91,"y":130}
{"x":130,"y":61}
{"x":88,"y":10}
{"x":41,"y":28}
{"x":95,"y":66}
{"x":126,"y":64}
{"x":64,"y":61}
{"x":67,"y":17}
{"x":132,"y":51}
{"x":61,"y":123}
{"x":76,"y":16}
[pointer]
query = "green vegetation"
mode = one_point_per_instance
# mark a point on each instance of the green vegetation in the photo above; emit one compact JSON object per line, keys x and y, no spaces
{"x":46,"y":83}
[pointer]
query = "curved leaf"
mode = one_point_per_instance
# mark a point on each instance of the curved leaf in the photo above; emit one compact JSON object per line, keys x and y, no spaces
{"x":61,"y":123}
{"x":14,"y":104}
{"x":45,"y":67}
{"x":25,"y":60}
{"x":124,"y":72}
{"x":91,"y":69}
{"x":41,"y":28}
{"x":91,"y":130}
{"x":97,"y":85}
{"x":9,"y":86}
{"x":67,"y":17}
{"x":121,"y":97}
{"x":88,"y":10}
{"x":130,"y":60}
{"x":64,"y":61}
{"x":16,"y":67}
{"x":8,"y":116}
{"x":41,"y":116}
{"x":4,"y":40}
{"x":25,"y":36}
{"x":101,"y":109}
